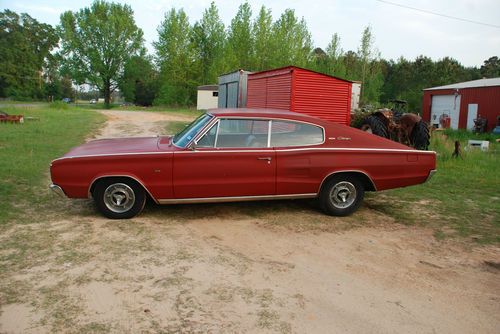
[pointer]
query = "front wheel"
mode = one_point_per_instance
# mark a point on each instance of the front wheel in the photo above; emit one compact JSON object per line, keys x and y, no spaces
{"x":341,"y":195}
{"x":119,"y":198}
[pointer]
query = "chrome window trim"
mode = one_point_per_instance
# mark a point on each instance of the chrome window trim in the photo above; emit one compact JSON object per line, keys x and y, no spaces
{"x":308,"y":123}
{"x":216,"y":133}
{"x":270,"y":119}
{"x":238,"y":118}
{"x":207,"y":131}
{"x":269,"y":133}
{"x":192,"y":139}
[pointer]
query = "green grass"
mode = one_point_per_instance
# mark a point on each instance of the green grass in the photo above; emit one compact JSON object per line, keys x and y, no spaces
{"x":117,"y":106}
{"x":175,"y":127}
{"x":461,"y":199}
{"x":27,"y":149}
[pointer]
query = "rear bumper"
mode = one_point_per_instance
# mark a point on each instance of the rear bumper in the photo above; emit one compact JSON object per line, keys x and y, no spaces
{"x":431,"y":173}
{"x":58,"y":190}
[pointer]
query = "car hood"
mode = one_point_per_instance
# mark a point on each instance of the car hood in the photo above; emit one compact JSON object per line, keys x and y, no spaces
{"x":119,"y":146}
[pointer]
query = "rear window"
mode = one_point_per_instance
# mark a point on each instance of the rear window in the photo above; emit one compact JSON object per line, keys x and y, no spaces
{"x":288,"y":133}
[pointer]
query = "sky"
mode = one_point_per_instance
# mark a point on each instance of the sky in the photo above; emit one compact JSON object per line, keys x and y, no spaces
{"x":397,"y":31}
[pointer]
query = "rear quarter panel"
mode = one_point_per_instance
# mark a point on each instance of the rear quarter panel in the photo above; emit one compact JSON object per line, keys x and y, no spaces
{"x":386,"y":163}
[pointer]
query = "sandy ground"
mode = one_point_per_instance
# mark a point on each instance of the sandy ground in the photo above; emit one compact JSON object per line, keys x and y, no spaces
{"x":241,"y":268}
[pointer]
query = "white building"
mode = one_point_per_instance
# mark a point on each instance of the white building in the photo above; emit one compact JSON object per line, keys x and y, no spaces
{"x":208,"y":97}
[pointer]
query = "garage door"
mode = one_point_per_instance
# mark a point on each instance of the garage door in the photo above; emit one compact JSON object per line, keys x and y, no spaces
{"x":445,"y":105}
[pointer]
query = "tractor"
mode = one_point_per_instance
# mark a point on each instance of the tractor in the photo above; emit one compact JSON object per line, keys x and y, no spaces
{"x":398,"y":125}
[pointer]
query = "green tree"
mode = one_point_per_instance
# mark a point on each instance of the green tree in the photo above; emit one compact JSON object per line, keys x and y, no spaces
{"x":292,"y":41}
{"x":491,"y":67}
{"x":369,"y":71}
{"x":25,"y":46}
{"x":240,"y":44}
{"x":175,"y":57}
{"x":335,"y":55}
{"x":97,"y":42}
{"x":138,"y":83}
{"x":263,"y":39}
{"x":320,"y":61}
{"x":209,"y":38}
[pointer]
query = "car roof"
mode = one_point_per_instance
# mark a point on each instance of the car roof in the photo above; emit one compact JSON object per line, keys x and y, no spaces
{"x":265,"y":113}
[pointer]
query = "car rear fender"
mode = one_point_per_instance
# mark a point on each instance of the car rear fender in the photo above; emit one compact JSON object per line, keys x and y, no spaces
{"x":365,"y":179}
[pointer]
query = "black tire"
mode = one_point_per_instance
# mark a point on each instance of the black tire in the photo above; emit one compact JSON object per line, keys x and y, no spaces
{"x":420,"y":137}
{"x":375,"y":125}
{"x":341,"y":195}
{"x":109,"y":194}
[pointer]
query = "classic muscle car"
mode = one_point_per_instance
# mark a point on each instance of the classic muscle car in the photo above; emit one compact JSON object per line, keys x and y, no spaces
{"x":240,"y":155}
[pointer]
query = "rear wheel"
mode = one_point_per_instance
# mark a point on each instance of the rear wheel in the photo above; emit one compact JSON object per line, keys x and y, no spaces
{"x":373,"y":124}
{"x":341,"y":195}
{"x":119,"y":198}
{"x":420,"y":136}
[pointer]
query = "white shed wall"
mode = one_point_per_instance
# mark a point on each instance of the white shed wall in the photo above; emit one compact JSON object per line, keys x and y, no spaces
{"x":206,"y":100}
{"x":356,"y":91}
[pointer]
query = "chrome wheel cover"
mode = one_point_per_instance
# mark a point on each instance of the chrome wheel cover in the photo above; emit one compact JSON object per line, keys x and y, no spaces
{"x":119,"y":197}
{"x":343,"y":195}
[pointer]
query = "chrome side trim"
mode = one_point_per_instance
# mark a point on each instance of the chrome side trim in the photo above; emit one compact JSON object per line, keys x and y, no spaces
{"x":58,"y":190}
{"x":334,"y":149}
{"x":431,"y":173}
{"x":120,"y":175}
{"x":347,"y":171}
{"x":109,"y":155}
{"x":234,"y":199}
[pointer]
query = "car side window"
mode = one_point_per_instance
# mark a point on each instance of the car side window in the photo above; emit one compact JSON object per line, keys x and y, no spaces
{"x":289,"y":133}
{"x":241,"y":133}
{"x":208,"y":140}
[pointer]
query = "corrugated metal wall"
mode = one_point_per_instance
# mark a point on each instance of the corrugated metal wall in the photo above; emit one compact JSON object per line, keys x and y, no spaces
{"x":322,"y":96}
{"x":487,"y":99}
{"x":233,"y":89}
{"x":270,"y":89}
{"x":303,"y":91}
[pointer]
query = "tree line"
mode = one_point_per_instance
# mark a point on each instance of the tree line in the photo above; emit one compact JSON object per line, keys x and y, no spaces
{"x":101,"y":46}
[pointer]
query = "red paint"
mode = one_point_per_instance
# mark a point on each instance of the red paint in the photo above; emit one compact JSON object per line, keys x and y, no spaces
{"x":487,"y":99}
{"x":303,"y":91}
{"x":170,"y":172}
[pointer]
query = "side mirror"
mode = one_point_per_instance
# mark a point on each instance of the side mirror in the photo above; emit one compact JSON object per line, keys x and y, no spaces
{"x":192,"y":146}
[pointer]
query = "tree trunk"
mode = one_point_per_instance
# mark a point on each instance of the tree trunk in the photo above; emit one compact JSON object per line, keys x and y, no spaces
{"x":107,"y":94}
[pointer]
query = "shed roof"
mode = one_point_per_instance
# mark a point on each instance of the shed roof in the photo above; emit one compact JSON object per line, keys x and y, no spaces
{"x":470,"y":84}
{"x":209,"y":87}
{"x":291,"y":68}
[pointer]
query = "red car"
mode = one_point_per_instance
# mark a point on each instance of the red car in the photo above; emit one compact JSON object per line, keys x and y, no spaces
{"x":240,"y":155}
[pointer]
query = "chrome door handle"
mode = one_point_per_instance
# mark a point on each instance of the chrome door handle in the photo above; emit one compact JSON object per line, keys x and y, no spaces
{"x":266,"y":158}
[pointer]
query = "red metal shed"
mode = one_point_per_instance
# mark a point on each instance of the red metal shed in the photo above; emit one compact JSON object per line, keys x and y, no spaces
{"x":300,"y":90}
{"x":463,"y":102}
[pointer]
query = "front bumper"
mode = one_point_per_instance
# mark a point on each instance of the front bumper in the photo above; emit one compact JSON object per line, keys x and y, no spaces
{"x":432,"y":172}
{"x":58,"y":190}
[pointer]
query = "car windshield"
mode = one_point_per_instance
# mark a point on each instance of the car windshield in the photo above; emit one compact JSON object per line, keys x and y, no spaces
{"x":185,"y":136}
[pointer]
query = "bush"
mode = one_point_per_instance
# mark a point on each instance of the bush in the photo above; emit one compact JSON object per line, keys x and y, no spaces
{"x":59,"y":105}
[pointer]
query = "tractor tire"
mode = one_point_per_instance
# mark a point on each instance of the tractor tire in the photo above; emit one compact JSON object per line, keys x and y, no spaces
{"x":374,"y":125}
{"x":420,"y":136}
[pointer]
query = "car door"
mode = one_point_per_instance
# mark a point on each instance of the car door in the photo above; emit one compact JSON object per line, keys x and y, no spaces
{"x":299,"y":165}
{"x":232,"y":159}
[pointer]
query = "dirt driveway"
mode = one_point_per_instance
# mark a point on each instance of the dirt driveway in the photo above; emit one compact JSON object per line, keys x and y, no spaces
{"x":275,"y":267}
